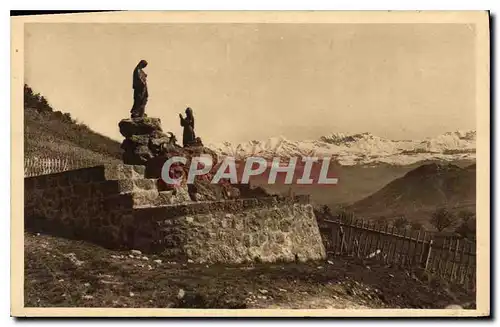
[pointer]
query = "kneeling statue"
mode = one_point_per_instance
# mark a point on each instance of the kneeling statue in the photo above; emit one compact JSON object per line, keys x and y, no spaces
{"x":188,"y":137}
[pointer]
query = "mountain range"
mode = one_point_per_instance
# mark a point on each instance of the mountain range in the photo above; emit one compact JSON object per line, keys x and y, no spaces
{"x":360,"y":149}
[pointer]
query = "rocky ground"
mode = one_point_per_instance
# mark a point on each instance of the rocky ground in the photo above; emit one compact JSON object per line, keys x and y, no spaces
{"x":68,"y":273}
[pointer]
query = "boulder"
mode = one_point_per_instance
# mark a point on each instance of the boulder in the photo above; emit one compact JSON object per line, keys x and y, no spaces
{"x":140,"y":139}
{"x":158,"y":144}
{"x":168,"y":150}
{"x":144,"y":140}
{"x":139,"y":126}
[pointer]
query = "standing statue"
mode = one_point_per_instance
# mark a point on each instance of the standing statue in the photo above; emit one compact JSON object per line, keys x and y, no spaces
{"x":140,"y":87}
{"x":188,"y":137}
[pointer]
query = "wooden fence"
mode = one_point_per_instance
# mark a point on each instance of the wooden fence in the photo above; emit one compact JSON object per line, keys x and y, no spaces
{"x":42,"y":166}
{"x":452,"y":259}
{"x":455,"y":260}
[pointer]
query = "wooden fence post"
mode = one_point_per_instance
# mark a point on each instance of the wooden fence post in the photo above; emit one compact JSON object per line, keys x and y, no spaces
{"x":333,"y":241}
{"x":359,"y":232}
{"x":453,"y":273}
{"x":427,"y":253}
{"x":462,"y":263}
{"x":415,"y":249}
{"x":404,"y":253}
{"x":341,"y":231}
{"x":385,"y":243}
{"x":422,"y":248}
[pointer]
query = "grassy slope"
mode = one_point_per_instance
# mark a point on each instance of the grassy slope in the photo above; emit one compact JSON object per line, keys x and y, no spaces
{"x":52,"y":134}
{"x":418,"y":193}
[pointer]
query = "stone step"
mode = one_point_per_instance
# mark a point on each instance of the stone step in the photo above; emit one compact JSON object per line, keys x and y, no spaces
{"x":137,"y":185}
{"x":145,"y":198}
{"x":163,"y":198}
{"x":118,"y":172}
{"x":140,"y":193}
{"x":153,"y":198}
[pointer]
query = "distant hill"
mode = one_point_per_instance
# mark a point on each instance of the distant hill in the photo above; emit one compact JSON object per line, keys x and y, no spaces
{"x":355,"y":183}
{"x":421,"y":191}
{"x":50,"y":134}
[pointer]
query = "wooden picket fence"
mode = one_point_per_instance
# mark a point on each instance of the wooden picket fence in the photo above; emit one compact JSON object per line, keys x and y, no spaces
{"x":452,"y":259}
{"x":42,"y":166}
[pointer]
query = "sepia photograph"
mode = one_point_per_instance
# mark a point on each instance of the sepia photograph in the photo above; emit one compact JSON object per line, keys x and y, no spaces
{"x":256,"y":163}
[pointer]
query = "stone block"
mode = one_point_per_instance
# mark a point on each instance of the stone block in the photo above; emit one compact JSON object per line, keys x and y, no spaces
{"x":144,"y":198}
{"x":139,"y":126}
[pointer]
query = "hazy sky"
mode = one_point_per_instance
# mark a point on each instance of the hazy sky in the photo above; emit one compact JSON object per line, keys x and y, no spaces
{"x":253,"y":81}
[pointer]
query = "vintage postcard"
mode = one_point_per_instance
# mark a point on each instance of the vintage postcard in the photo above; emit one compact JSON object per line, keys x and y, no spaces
{"x":251,"y":164}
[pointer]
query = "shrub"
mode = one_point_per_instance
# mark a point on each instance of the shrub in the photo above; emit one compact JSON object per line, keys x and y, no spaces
{"x":401,"y":223}
{"x":466,"y":215}
{"x":416,"y":226}
{"x":467,"y":229}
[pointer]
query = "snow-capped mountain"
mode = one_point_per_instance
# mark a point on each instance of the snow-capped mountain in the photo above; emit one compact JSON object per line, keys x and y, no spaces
{"x":359,"y":149}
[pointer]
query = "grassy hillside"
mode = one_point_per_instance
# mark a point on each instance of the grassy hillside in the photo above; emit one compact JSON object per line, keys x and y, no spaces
{"x":50,"y":134}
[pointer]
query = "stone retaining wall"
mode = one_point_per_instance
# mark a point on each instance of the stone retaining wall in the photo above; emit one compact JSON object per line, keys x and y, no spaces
{"x":117,"y":207}
{"x":282,"y":232}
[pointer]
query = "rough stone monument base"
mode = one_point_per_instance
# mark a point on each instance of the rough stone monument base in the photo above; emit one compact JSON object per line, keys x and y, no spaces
{"x":144,"y":140}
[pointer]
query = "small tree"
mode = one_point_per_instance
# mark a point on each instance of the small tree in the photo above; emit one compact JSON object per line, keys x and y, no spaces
{"x":442,"y":218}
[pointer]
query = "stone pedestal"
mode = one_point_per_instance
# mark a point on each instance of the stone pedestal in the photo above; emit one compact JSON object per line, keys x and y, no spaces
{"x":144,"y":140}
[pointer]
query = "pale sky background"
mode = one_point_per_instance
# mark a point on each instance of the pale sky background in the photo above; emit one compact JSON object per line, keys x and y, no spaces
{"x":254,"y":81}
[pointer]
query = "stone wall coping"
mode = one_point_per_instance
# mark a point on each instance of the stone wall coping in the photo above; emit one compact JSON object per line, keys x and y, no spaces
{"x":229,"y":206}
{"x":97,"y":173}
